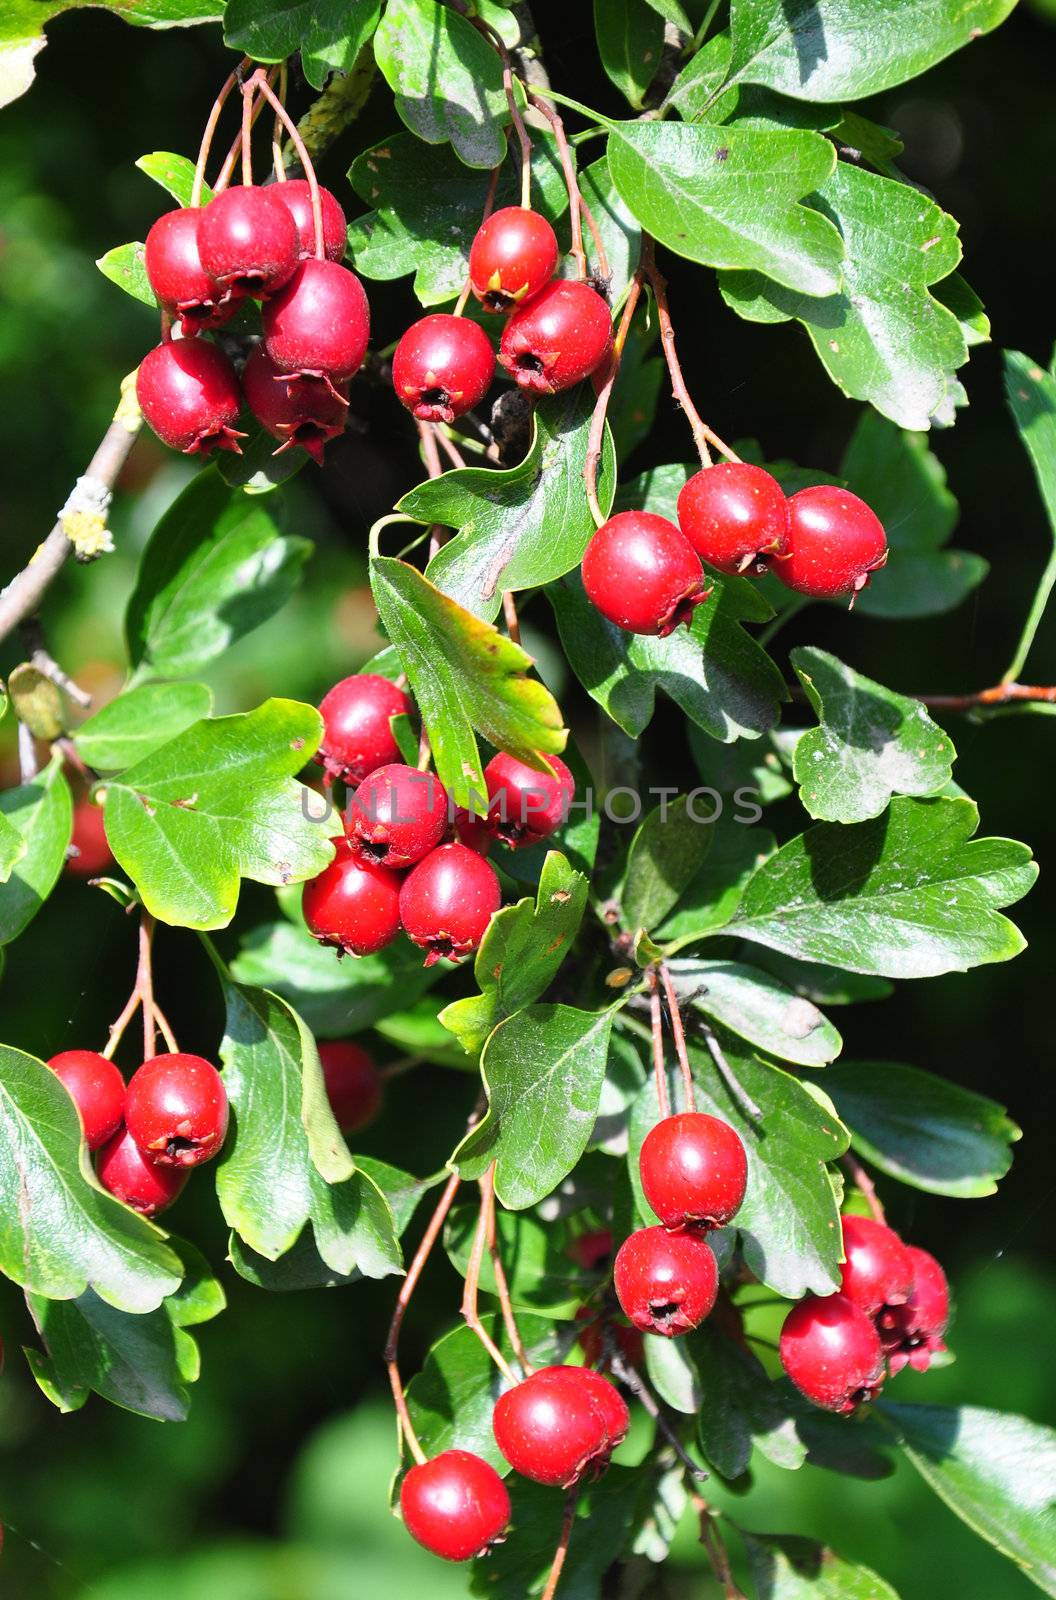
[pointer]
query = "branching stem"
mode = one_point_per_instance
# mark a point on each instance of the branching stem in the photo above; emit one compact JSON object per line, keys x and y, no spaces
{"x":471,"y":1292}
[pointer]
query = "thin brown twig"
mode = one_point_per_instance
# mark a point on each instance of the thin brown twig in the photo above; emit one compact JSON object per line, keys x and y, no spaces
{"x":509,"y":1316}
{"x":596,"y":437}
{"x":450,"y":449}
{"x":230,"y":161}
{"x":656,"y":1018}
{"x":568,"y":167}
{"x":28,"y":765}
{"x":471,"y":1291}
{"x":567,"y":1524}
{"x":305,"y":160}
{"x":740,"y":1095}
{"x":145,"y":983}
{"x":671,"y":996}
{"x":711,"y":1539}
{"x":864,"y":1184}
{"x":1002,"y":694}
{"x":407,"y":1288}
{"x":703,"y":436}
{"x":604,"y":270}
{"x":249,"y":94}
{"x":622,"y":1369}
{"x":277,"y":162}
{"x":509,"y":612}
{"x":210,"y":128}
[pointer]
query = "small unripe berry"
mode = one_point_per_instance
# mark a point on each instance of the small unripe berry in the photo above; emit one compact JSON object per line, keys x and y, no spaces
{"x":512,"y":257}
{"x":834,"y":542}
{"x":318,"y":324}
{"x":176,"y":1110}
{"x":559,"y":1424}
{"x":305,"y":414}
{"x":296,"y":196}
{"x":447,"y":901}
{"x":89,"y":848}
{"x":357,"y":725}
{"x":96,"y":1088}
{"x":353,"y":1085}
{"x":175,"y":273}
{"x":126,"y":1172}
{"x":442,"y":367}
{"x":456,"y":1505}
{"x":878,"y":1270}
{"x":525,"y":805}
{"x":397,"y":815}
{"x":831,"y":1351}
{"x":247,"y":240}
{"x":353,"y":905}
{"x":913,"y":1333}
{"x":189,"y":395}
{"x":666,"y":1282}
{"x":734,"y":515}
{"x":559,"y":338}
{"x":643,"y":574}
{"x":693,"y":1170}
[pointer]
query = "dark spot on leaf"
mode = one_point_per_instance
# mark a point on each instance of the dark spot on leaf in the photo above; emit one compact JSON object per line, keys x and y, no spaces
{"x":722,"y":152}
{"x":296,"y":744}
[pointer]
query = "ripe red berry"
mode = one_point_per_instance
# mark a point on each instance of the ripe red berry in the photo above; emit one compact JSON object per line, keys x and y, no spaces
{"x":353,"y":905}
{"x":559,"y":1423}
{"x":643,"y":574}
{"x":447,"y":901}
{"x":175,"y":272}
{"x":831,"y":1351}
{"x":248,"y":240}
{"x":834,"y":542}
{"x":472,"y":830}
{"x":357,"y":725}
{"x":666,"y":1282}
{"x":525,"y":805}
{"x":558,"y":339}
{"x":693,"y":1170}
{"x":913,"y":1333}
{"x":96,"y":1088}
{"x":353,"y":1085}
{"x":189,"y":394}
{"x":90,"y":852}
{"x":304,"y":414}
{"x":878,"y":1270}
{"x":442,"y":367}
{"x":600,"y":1330}
{"x":456,"y":1505}
{"x":734,"y":515}
{"x":296,"y":196}
{"x":126,"y":1172}
{"x":397,"y":815}
{"x":592,"y":1249}
{"x":176,"y":1110}
{"x":318,"y":325}
{"x":512,"y":257}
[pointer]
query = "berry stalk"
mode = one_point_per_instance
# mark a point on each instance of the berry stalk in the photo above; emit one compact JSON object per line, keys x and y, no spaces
{"x":596,"y":438}
{"x":703,"y":436}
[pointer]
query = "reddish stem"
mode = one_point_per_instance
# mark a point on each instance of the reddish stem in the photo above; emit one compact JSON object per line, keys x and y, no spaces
{"x":277,"y":162}
{"x":248,"y":97}
{"x":679,"y":1035}
{"x":407,"y":1288}
{"x":471,"y":1292}
{"x":210,"y":128}
{"x":596,"y":438}
{"x":513,"y":1332}
{"x":656,"y":1018}
{"x":509,"y":612}
{"x":865,"y":1186}
{"x":563,"y":1542}
{"x":702,"y":434}
{"x":568,"y":167}
{"x":305,"y":160}
{"x":223,"y":177}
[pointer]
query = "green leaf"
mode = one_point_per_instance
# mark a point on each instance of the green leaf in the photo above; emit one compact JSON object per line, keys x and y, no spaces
{"x":175,"y":175}
{"x":630,"y":37}
{"x":328,"y":33}
{"x":1031,"y":395}
{"x":61,"y":1234}
{"x":258,"y":470}
{"x":139,"y":721}
{"x":41,"y":813}
{"x":125,"y":265}
{"x":714,"y":894}
{"x":758,"y":1007}
{"x":741,"y":1408}
{"x":13,"y":846}
{"x":672,"y":11}
{"x":215,"y":805}
{"x":215,"y":568}
{"x":789,"y":1568}
{"x":921,"y":1129}
{"x":665,"y":855}
{"x":541,"y":1272}
{"x":622,"y":237}
{"x":447,"y":79}
{"x":995,"y":1471}
{"x":543,"y":1070}
{"x":826,"y":986}
{"x":908,"y":895}
{"x":464,"y":675}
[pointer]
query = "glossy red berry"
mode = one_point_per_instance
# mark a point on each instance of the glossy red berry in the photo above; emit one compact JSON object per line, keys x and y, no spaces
{"x":558,"y":339}
{"x":472,"y":830}
{"x":442,"y":367}
{"x":176,"y":1110}
{"x":319,"y":324}
{"x":911,"y":1334}
{"x":353,"y":905}
{"x":397,"y":815}
{"x":666,"y":1282}
{"x":126,"y":1172}
{"x":693,"y":1170}
{"x":175,"y":273}
{"x":512,"y":257}
{"x":834,"y":542}
{"x":304,"y":414}
{"x":189,"y":394}
{"x":456,"y":1505}
{"x":353,"y":1085}
{"x":90,"y":852}
{"x":831,"y":1351}
{"x":248,"y":240}
{"x":643,"y":574}
{"x":734,"y":515}
{"x":357,"y":718}
{"x":525,"y":805}
{"x":96,"y":1088}
{"x":296,"y":196}
{"x":447,"y":901}
{"x":878,"y":1269}
{"x":559,"y":1423}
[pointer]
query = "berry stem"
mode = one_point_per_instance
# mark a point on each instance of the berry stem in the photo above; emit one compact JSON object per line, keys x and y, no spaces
{"x":677,"y":1030}
{"x":1002,"y":694}
{"x":145,"y":983}
{"x":568,"y":167}
{"x":567,"y":1523}
{"x":633,"y":1380}
{"x":210,"y":128}
{"x":596,"y":439}
{"x":249,"y":95}
{"x":739,"y":1094}
{"x":165,"y":1029}
{"x":278,"y":165}
{"x":230,"y":161}
{"x":712,"y":1541}
{"x":865,"y":1186}
{"x":703,"y":436}
{"x":657,"y":1021}
{"x":495,"y":38}
{"x":450,"y":449}
{"x":305,"y":160}
{"x":509,"y":612}
{"x":513,"y":1332}
{"x":471,"y":1293}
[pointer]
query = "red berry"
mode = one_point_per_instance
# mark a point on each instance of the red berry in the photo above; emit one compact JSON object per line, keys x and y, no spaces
{"x":513,"y":256}
{"x":90,"y":852}
{"x":176,"y":1110}
{"x":397,"y":815}
{"x":559,"y":1423}
{"x":182,"y":285}
{"x":878,"y":1270}
{"x":694,"y":1170}
{"x":447,"y":901}
{"x":248,"y":240}
{"x":913,"y":1333}
{"x":525,"y":805}
{"x":353,"y":905}
{"x":643,"y":574}
{"x":666,"y":1282}
{"x":734,"y":515}
{"x":599,"y":1328}
{"x":442,"y":367}
{"x":189,"y":394}
{"x":304,"y":414}
{"x":834,"y":543}
{"x":318,"y":325}
{"x":455,"y":1505}
{"x":557,"y":339}
{"x":126,"y":1172}
{"x":296,"y":196}
{"x":472,"y":830}
{"x":591,"y":1250}
{"x":96,"y":1088}
{"x":353,"y":1086}
{"x":357,"y":733}
{"x":831,"y":1351}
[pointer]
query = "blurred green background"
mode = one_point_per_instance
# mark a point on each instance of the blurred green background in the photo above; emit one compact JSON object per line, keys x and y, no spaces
{"x":276,"y":1487}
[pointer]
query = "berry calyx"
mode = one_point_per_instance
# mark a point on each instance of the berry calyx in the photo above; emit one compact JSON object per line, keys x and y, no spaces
{"x":247,"y":240}
{"x":296,"y":196}
{"x":89,"y":848}
{"x":878,"y":1269}
{"x":694,"y":1170}
{"x":96,"y":1088}
{"x":318,"y":325}
{"x":353,"y":905}
{"x":911,"y":1334}
{"x":176,"y":1110}
{"x":145,"y":1185}
{"x":559,"y":1424}
{"x":305,"y":414}
{"x":175,"y":273}
{"x":831,"y":1351}
{"x":353,"y":1085}
{"x":512,"y":257}
{"x":456,"y":1505}
{"x":447,"y":901}
{"x":397,"y":815}
{"x":834,"y":542}
{"x":524,"y":805}
{"x":557,"y":339}
{"x":189,"y":395}
{"x":643,"y":574}
{"x":442,"y":367}
{"x":735,"y":516}
{"x":666,"y":1282}
{"x":357,"y":725}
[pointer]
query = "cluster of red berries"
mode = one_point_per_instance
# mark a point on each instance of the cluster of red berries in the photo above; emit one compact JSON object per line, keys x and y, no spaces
{"x":645,"y":575}
{"x":171,"y":1116}
{"x":253,"y":242}
{"x":893,"y":1306}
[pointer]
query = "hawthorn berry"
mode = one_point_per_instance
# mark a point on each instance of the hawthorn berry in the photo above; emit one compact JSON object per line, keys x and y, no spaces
{"x":512,"y":257}
{"x":456,"y":1505}
{"x":353,"y":1085}
{"x":296,"y":196}
{"x":248,"y":240}
{"x":834,"y":542}
{"x":693,"y":1170}
{"x":447,"y":901}
{"x":734,"y":515}
{"x":878,"y":1269}
{"x":89,"y":849}
{"x":524,"y":805}
{"x":666,"y":1281}
{"x":831,"y":1351}
{"x":643,"y":574}
{"x":353,"y":905}
{"x":397,"y":815}
{"x":304,"y":414}
{"x":318,"y":325}
{"x":176,"y":1110}
{"x":913,"y":1333}
{"x":472,"y":830}
{"x":559,"y":338}
{"x":357,"y":718}
{"x":189,"y":394}
{"x":145,"y":1185}
{"x":174,"y":270}
{"x":96,"y":1088}
{"x":442,"y":367}
{"x":598,"y":1328}
{"x":558,"y":1424}
{"x":592,"y":1249}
